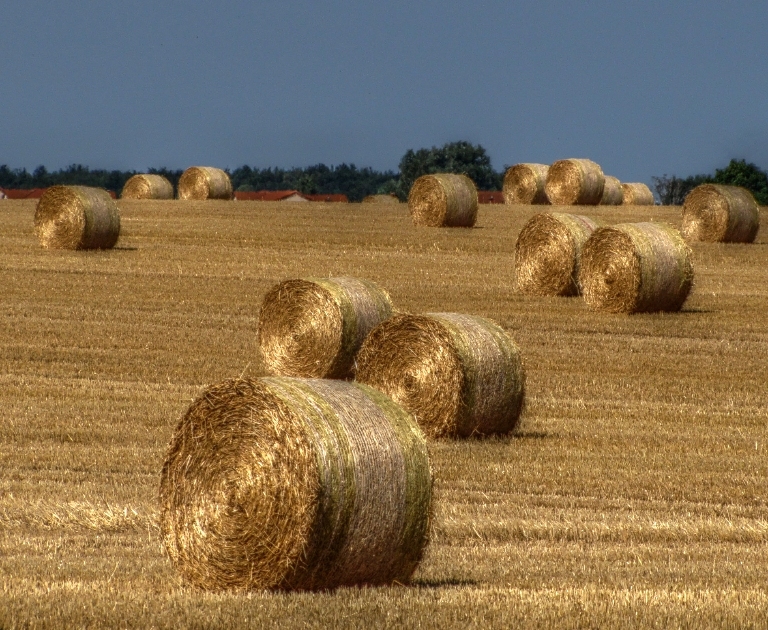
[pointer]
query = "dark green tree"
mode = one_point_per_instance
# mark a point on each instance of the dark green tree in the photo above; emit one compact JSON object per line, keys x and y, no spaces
{"x":746,"y":175}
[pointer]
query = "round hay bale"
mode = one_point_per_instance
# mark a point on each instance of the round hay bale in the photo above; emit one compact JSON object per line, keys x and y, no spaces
{"x":295,"y":484}
{"x":547,"y":253}
{"x":459,"y":375}
{"x":636,"y":267}
{"x":724,"y":214}
{"x":443,"y":200}
{"x":613,"y":193}
{"x":524,"y":184}
{"x":637,"y":194}
{"x":575,"y":182}
{"x":314,"y":327}
{"x":381,"y":199}
{"x":77,"y":217}
{"x":204,"y":182}
{"x":147,"y":186}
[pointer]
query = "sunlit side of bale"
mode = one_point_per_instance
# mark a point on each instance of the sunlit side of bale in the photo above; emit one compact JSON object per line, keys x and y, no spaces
{"x":547,"y":253}
{"x":716,"y":213}
{"x":575,"y":182}
{"x":147,"y":186}
{"x":77,"y":217}
{"x":204,"y":182}
{"x":637,"y":194}
{"x":524,"y":184}
{"x":295,"y":484}
{"x":636,"y":267}
{"x":443,"y":200}
{"x":459,"y":375}
{"x":314,"y":327}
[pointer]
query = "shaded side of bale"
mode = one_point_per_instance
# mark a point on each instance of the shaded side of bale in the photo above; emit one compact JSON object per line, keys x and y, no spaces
{"x":281,"y":483}
{"x":458,"y":375}
{"x":524,"y":184}
{"x":637,"y":194}
{"x":636,"y":267}
{"x":443,"y":200}
{"x":147,"y":186}
{"x":716,"y":213}
{"x":613,"y":192}
{"x":77,"y":217}
{"x":314,"y":327}
{"x":548,"y":251}
{"x":381,"y":199}
{"x":204,"y":182}
{"x":575,"y":182}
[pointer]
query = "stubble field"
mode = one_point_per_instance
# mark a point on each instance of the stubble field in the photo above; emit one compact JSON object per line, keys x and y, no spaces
{"x":634,"y":493}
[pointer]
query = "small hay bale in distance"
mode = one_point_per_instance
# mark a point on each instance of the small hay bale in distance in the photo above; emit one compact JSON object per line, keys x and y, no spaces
{"x":524,"y":184}
{"x":613,"y":193}
{"x":147,"y":186}
{"x":575,"y":182}
{"x":720,"y":214}
{"x":313,"y":327}
{"x":295,"y":484}
{"x":381,"y":199}
{"x":443,"y":200}
{"x":636,"y":268}
{"x":77,"y":217}
{"x":459,"y":375}
{"x":637,"y":194}
{"x":204,"y":182}
{"x":547,"y":253}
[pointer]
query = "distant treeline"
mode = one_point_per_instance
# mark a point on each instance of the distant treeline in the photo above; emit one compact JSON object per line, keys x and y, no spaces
{"x":672,"y":190}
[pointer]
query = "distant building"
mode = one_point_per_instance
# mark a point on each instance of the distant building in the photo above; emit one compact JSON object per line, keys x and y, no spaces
{"x":34,"y":193}
{"x":490,"y":196}
{"x":270,"y":195}
{"x":2,"y":194}
{"x":328,"y":198}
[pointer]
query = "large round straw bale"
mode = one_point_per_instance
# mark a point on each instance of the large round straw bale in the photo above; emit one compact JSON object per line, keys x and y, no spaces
{"x":381,"y":199}
{"x":547,"y":253}
{"x":204,"y":182}
{"x":636,"y":267}
{"x":458,"y":375}
{"x":575,"y":182}
{"x":147,"y":186}
{"x":282,"y":483}
{"x":524,"y":184}
{"x":314,"y":327}
{"x":443,"y":200}
{"x":637,"y":194}
{"x":613,"y":193}
{"x":77,"y":217}
{"x":716,"y":213}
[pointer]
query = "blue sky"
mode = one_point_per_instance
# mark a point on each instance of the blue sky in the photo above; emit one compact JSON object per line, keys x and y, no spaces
{"x":643,"y":88}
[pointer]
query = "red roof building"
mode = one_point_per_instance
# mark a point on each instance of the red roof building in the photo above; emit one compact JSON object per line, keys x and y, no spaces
{"x":490,"y":196}
{"x":33,"y":193}
{"x":269,"y":195}
{"x":328,"y":198}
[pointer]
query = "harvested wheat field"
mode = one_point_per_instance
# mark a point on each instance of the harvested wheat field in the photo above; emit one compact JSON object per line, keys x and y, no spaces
{"x":633,"y":493}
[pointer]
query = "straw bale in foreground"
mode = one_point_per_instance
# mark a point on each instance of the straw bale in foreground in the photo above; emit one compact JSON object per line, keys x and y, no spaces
{"x":204,"y":182}
{"x":636,"y":267}
{"x":147,"y":186}
{"x":716,"y":213}
{"x":314,"y":327}
{"x":281,"y":483}
{"x":575,"y":182}
{"x":637,"y":194}
{"x":443,"y":200}
{"x":547,"y":253}
{"x":613,"y":192}
{"x":524,"y":184}
{"x":458,"y":375}
{"x":77,"y":217}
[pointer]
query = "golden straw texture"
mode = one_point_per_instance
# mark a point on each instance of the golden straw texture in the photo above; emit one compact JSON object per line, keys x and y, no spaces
{"x":575,"y":182}
{"x":459,"y":375}
{"x":613,"y":192}
{"x":147,"y":186}
{"x":547,"y":253}
{"x":636,"y":267}
{"x":282,"y":483}
{"x":314,"y":327}
{"x":381,"y":199}
{"x":77,"y":217}
{"x":524,"y":184}
{"x":637,"y":194}
{"x":443,"y":200}
{"x":715,"y":213}
{"x":204,"y":182}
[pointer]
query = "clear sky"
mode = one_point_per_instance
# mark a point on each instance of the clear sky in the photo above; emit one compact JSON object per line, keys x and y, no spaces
{"x":644,"y":87}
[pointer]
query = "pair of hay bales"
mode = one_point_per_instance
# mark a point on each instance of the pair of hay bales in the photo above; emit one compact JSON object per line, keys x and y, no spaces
{"x":627,"y":268}
{"x":196,"y":183}
{"x":617,"y":194}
